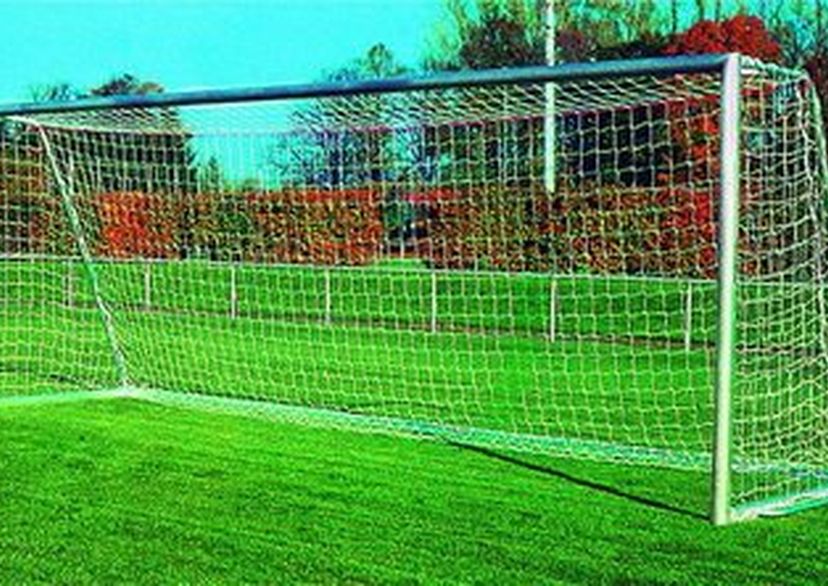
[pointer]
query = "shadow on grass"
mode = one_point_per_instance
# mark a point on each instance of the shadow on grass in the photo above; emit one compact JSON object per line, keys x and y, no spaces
{"x":590,"y":484}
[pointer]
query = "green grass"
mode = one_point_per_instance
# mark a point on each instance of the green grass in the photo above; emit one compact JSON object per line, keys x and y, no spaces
{"x":135,"y":492}
{"x":400,"y":295}
{"x":132,"y":493}
{"x":575,"y":389}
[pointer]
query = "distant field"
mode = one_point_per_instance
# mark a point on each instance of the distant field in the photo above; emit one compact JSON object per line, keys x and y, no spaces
{"x":603,"y":366}
{"x":626,"y":360}
{"x":468,"y":349}
{"x":404,"y":294}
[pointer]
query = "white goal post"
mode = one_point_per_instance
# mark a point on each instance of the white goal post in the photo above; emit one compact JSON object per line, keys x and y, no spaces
{"x":407,"y":256}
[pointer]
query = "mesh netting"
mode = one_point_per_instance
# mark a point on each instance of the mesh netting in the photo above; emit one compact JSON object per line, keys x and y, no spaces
{"x":400,"y":262}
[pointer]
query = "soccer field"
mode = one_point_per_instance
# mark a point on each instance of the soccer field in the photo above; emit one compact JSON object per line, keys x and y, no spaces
{"x":463,"y":349}
{"x":103,"y":490}
{"x":625,"y":335}
{"x":596,"y":367}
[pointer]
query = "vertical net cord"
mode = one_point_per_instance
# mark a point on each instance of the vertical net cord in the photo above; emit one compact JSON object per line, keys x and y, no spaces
{"x":88,"y":263}
{"x":819,"y":219}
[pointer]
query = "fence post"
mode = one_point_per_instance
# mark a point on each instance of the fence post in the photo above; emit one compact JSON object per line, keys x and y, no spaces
{"x":234,"y":295}
{"x":147,"y":285}
{"x":553,"y":310}
{"x":433,"y":301}
{"x":70,"y":285}
{"x":328,"y":300}
{"x":688,"y":317}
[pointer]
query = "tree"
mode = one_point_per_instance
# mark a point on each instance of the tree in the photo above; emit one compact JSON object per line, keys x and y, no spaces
{"x":611,"y":25}
{"x":743,"y":34}
{"x":162,"y":162}
{"x":339,"y":147}
{"x":56,"y":92}
{"x":377,"y":62}
{"x":802,"y":29}
{"x":674,"y":16}
{"x":133,"y":182}
{"x":647,"y":45}
{"x":127,"y":84}
{"x":328,"y":150}
{"x":210,"y":176}
{"x":700,"y":10}
{"x":24,"y":181}
{"x":479,"y":34}
{"x":496,"y":33}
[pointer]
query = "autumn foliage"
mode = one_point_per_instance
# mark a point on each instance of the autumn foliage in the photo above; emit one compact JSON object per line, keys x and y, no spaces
{"x":286,"y":226}
{"x":29,"y":210}
{"x":741,"y":34}
{"x":492,"y":227}
{"x":669,"y":230}
{"x":650,"y":209}
{"x":134,"y":224}
{"x":317,"y":226}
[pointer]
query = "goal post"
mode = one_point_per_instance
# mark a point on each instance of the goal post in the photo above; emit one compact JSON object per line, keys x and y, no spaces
{"x":727,"y":275}
{"x":549,"y":118}
{"x":621,"y":262}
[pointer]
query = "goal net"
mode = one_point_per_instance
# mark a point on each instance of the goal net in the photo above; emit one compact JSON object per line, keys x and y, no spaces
{"x":395,"y":261}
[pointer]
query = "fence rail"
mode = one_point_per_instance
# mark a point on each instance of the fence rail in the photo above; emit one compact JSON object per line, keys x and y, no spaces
{"x":433,"y":285}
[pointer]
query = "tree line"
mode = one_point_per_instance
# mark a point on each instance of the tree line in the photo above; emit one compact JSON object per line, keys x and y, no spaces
{"x":224,"y":217}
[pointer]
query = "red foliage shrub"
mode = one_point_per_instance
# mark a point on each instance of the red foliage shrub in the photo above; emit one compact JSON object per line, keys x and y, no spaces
{"x":492,"y":227}
{"x":45,"y":226}
{"x":668,"y":231}
{"x":31,"y":216}
{"x":693,"y":124}
{"x":134,"y":224}
{"x":203,"y":227}
{"x":663,"y":231}
{"x":316,"y":226}
{"x":290,"y":226}
{"x":741,"y":34}
{"x":666,"y":225}
{"x":686,"y":240}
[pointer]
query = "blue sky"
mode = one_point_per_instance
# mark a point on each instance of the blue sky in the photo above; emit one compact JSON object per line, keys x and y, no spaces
{"x":187,"y":44}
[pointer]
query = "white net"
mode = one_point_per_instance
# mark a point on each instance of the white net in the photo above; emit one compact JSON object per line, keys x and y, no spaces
{"x":395,"y":262}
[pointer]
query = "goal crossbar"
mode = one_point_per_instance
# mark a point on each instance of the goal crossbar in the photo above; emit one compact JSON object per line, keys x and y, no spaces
{"x":565,"y":72}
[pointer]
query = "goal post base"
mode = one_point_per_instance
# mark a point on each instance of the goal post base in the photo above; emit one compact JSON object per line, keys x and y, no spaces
{"x":783,"y":506}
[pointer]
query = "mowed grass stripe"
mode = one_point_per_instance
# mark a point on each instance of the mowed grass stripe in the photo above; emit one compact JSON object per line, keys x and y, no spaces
{"x":128,"y":492}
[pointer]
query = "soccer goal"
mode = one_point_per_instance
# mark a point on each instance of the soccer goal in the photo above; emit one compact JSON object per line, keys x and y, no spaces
{"x":392,"y":256}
